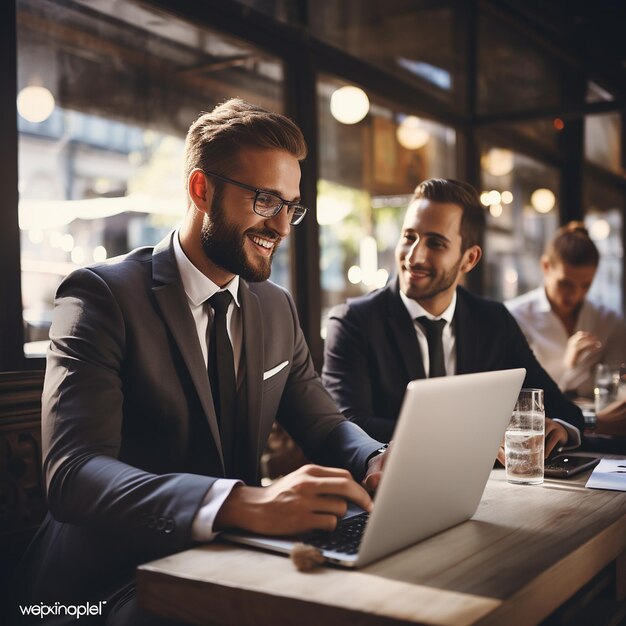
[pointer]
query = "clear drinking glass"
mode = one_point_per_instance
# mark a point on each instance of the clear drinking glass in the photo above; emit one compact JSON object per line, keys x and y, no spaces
{"x":524,"y":439}
{"x":603,"y":386}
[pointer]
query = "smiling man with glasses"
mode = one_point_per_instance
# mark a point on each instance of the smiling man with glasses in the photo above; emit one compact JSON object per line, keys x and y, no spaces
{"x":166,"y":370}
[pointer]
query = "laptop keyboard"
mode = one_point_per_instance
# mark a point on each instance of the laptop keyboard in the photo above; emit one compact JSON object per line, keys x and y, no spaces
{"x":346,"y":538}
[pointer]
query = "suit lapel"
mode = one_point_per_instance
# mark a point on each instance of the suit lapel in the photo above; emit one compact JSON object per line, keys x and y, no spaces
{"x":254,"y":358}
{"x":465,"y":336}
{"x":171,"y":297}
{"x":403,"y":333}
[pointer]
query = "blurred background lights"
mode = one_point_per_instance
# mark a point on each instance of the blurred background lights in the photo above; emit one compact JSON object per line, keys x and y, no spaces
{"x":411,"y":133}
{"x":495,"y":210}
{"x":543,"y":200}
{"x":511,"y":276}
{"x":494,"y":197}
{"x":484,"y":198}
{"x":506,"y":197}
{"x":599,"y":229}
{"x":349,"y":105}
{"x":355,"y":274}
{"x":77,"y":255}
{"x":381,"y":278}
{"x":67,"y":243}
{"x":497,"y":161}
{"x":368,"y":259}
{"x":35,"y":104}
{"x":99,"y":254}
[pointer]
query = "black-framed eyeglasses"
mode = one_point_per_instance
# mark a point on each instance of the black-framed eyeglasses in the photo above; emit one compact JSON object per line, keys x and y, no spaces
{"x":267,"y":203}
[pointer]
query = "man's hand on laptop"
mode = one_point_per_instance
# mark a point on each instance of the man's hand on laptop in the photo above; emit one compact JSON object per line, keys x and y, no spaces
{"x":375,"y":469}
{"x":313,"y":497}
{"x":555,"y":437}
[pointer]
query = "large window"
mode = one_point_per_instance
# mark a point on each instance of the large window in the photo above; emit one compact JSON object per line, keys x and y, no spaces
{"x":604,"y":210}
{"x":106,"y":93}
{"x":521,"y":195}
{"x":421,"y":42}
{"x":368,"y":170}
{"x":107,"y":90}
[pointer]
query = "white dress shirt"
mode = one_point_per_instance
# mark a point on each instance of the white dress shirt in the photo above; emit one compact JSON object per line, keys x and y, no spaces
{"x":447,"y":336}
{"x":548,"y":338}
{"x":199,"y":289}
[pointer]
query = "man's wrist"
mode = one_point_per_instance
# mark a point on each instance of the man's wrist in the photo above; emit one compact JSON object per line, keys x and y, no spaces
{"x":374,"y":454}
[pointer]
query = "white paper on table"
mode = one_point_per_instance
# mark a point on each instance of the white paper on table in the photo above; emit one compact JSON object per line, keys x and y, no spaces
{"x":609,"y":474}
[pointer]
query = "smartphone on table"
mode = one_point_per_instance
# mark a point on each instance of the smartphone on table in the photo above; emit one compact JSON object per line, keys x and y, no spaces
{"x":564,"y":465}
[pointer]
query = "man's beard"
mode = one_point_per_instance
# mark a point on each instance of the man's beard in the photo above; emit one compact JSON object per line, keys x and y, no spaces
{"x":224,"y":245}
{"x":441,"y":283}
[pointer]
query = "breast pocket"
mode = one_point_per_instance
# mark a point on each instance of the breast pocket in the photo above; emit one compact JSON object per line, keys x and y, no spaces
{"x":275,"y":376}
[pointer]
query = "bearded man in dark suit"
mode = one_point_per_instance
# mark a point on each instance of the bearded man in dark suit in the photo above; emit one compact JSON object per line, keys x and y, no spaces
{"x":166,"y":370}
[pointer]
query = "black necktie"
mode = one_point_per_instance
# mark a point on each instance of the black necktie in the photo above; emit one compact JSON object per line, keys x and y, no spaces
{"x":434,"y":330}
{"x":221,"y":368}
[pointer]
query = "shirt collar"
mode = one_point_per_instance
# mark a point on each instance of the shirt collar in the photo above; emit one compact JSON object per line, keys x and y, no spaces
{"x":197,"y":286}
{"x":543,"y":304}
{"x":417,"y":310}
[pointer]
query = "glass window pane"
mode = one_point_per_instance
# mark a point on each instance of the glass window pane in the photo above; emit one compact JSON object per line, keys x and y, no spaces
{"x":512,"y":74}
{"x":603,"y":144}
{"x":106,"y":93}
{"x":604,"y":210}
{"x":367,"y":176}
{"x":420,"y":41}
{"x":282,"y":10}
{"x":544,"y":132}
{"x":522,"y":196}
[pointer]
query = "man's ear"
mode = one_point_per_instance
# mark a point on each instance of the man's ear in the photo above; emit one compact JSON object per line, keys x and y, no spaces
{"x":200,"y":190}
{"x":470,"y":258}
{"x":545,"y":263}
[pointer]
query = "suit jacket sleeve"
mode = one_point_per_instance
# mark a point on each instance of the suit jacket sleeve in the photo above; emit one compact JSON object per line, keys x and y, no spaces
{"x":347,"y":375}
{"x":311,"y":417}
{"x":82,"y":428}
{"x":521,"y":355}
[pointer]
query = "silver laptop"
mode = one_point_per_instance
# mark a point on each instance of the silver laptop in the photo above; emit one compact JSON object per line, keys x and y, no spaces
{"x":444,"y":447}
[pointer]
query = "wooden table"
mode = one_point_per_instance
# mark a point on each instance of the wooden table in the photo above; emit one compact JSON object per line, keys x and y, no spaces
{"x":523,"y":554}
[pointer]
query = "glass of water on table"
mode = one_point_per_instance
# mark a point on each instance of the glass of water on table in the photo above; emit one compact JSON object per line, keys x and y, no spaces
{"x":524,"y":439}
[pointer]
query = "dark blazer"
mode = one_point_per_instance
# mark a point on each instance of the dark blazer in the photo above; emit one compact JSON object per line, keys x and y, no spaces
{"x":130,"y":438}
{"x":371,"y":353}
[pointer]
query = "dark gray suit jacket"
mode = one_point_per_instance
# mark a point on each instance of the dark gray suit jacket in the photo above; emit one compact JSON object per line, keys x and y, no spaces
{"x":130,"y":438}
{"x":371,"y":353}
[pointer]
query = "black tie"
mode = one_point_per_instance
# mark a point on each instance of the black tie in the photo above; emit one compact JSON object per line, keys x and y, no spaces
{"x":222,"y":374}
{"x":434,"y":330}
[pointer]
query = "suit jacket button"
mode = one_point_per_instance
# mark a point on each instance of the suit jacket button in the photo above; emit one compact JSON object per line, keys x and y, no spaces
{"x":151,"y":521}
{"x":161,"y":523}
{"x":169,"y":526}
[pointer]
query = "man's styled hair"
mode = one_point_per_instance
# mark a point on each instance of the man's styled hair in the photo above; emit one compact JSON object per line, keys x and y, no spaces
{"x":215,"y":139}
{"x":572,"y":245}
{"x":456,"y":192}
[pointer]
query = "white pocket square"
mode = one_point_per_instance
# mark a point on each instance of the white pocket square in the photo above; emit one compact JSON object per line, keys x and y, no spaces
{"x":275,"y":370}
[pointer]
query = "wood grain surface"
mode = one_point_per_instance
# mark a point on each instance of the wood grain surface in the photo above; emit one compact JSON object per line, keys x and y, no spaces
{"x":523,"y":554}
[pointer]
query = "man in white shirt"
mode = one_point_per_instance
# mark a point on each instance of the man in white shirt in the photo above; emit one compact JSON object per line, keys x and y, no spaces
{"x":569,"y":334}
{"x":424,"y":324}
{"x":166,"y":370}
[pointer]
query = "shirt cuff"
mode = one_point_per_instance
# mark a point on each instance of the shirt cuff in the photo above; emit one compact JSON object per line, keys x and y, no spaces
{"x":202,"y":526}
{"x":573,"y":435}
